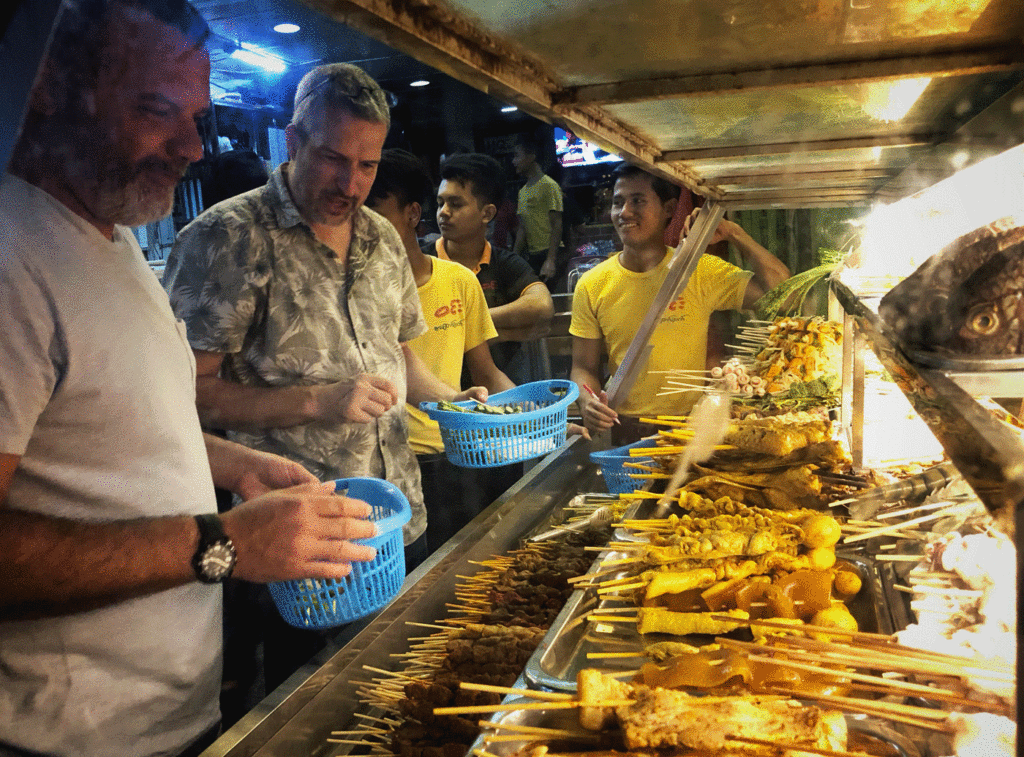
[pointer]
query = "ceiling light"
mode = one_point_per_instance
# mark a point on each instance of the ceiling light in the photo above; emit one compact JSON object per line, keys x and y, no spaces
{"x":891,"y":101}
{"x":509,"y":109}
{"x":255,"y":57}
{"x":419,"y":83}
{"x":286,"y":28}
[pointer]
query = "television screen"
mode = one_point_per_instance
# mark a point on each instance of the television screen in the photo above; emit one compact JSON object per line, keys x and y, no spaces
{"x":573,"y":151}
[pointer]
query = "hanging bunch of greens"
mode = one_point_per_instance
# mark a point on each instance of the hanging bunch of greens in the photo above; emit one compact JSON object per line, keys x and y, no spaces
{"x":788,"y":297}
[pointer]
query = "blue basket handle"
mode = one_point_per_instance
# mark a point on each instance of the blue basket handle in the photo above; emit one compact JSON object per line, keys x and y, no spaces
{"x":388,"y":523}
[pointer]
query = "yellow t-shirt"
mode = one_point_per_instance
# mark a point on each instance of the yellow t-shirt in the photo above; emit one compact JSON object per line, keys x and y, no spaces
{"x":610,"y":302}
{"x":457,"y":321}
{"x":536,"y":201}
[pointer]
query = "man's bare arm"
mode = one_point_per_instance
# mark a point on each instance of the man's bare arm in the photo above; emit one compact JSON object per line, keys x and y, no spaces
{"x":424,"y":386}
{"x":586,"y":365}
{"x":519,"y":246}
{"x":528,"y":317}
{"x":768,"y":270}
{"x":230,"y":405}
{"x":547,"y":270}
{"x":55,"y":566}
{"x":484,"y":372}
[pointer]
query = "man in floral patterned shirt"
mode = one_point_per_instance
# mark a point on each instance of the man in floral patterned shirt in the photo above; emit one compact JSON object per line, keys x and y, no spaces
{"x":299,"y":302}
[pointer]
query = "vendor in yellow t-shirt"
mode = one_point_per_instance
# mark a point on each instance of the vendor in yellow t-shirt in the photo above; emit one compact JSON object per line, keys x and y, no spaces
{"x":611,"y":300}
{"x":459,"y":326}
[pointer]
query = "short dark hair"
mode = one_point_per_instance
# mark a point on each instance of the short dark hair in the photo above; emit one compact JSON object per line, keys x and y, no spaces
{"x":402,"y":174}
{"x":529,"y":143}
{"x":480,"y":172}
{"x":664,"y":188}
{"x":232,"y":173}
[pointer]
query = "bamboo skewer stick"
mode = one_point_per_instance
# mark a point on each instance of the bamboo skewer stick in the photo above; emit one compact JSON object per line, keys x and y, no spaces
{"x":785,"y":747}
{"x":568,"y":705}
{"x":950,"y":592}
{"x":805,"y":627}
{"x":551,"y":696}
{"x":900,"y":526}
{"x":922,"y":717}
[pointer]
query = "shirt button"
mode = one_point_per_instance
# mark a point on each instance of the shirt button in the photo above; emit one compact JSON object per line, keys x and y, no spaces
{"x":383,"y":442}
{"x":364,"y":345}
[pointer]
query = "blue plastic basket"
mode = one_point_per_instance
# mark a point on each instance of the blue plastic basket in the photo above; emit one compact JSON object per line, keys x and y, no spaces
{"x":479,"y":440}
{"x":616,"y":477}
{"x":325,"y":603}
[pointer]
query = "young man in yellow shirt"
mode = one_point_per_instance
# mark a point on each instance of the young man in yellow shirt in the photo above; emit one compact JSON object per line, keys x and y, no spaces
{"x":611,"y":300}
{"x":459,"y":326}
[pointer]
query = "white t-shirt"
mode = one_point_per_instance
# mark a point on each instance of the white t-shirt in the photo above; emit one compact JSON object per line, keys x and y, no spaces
{"x":97,"y":394}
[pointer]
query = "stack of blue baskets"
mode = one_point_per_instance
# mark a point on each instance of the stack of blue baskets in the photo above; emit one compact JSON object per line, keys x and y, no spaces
{"x":325,"y":603}
{"x":616,"y":477}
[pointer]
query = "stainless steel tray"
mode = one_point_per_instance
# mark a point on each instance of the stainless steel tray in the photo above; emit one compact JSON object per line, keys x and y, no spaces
{"x":864,"y":731}
{"x":566,"y":646}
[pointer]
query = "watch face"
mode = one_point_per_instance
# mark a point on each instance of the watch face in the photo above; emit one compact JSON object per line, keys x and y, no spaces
{"x":217,"y":561}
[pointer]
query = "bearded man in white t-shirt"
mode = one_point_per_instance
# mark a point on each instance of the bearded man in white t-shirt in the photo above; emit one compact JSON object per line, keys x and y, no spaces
{"x":111,"y":551}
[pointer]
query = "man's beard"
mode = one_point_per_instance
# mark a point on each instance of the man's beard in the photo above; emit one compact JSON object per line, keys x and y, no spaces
{"x":135,"y":194}
{"x":110,"y":187}
{"x":324,"y":202}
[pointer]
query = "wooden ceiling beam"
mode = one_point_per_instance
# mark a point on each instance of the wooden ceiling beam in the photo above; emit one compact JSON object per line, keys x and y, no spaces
{"x":769,"y":197}
{"x":436,"y":35}
{"x":936,"y":65}
{"x":783,"y":148}
{"x":799,"y":176}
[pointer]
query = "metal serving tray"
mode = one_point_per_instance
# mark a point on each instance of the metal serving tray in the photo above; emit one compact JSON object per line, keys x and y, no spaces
{"x":872,"y":735}
{"x":571,"y":638}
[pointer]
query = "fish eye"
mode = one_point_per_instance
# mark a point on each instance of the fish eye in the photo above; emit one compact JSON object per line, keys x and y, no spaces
{"x":983,"y":320}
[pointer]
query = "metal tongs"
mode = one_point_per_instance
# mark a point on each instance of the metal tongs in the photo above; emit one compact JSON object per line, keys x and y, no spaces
{"x":865,"y":504}
{"x":601,"y":517}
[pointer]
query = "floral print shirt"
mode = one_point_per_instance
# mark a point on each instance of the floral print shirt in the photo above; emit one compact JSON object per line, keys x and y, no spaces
{"x":250,"y":280}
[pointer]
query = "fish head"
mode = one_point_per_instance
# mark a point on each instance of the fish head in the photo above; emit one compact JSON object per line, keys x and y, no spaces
{"x":967,"y":299}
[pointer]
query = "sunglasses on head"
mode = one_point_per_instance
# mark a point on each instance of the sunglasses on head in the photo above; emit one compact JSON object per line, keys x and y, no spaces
{"x":354,"y":92}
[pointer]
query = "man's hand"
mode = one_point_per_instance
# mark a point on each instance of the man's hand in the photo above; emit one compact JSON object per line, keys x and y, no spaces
{"x":266,"y":472}
{"x":357,"y":400}
{"x":547,"y":270}
{"x":302,"y":532}
{"x":724,"y":232}
{"x":575,"y":429}
{"x":478,"y":393}
{"x":597,"y":416}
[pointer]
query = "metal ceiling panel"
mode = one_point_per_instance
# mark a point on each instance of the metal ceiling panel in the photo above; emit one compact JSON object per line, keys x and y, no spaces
{"x":696,"y":89}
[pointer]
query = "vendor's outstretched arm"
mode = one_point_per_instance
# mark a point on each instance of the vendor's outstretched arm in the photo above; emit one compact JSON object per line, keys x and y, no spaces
{"x":768,"y":270}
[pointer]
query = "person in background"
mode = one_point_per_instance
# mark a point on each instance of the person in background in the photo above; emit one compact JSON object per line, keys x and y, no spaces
{"x":520,"y":305}
{"x":111,"y":552}
{"x":299,"y":302}
{"x":539,"y":234}
{"x":231,"y":173}
{"x":458,"y":329}
{"x":611,"y":299}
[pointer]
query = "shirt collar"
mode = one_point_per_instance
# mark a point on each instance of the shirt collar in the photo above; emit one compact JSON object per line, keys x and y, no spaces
{"x":287,"y":213}
{"x":485,"y":259}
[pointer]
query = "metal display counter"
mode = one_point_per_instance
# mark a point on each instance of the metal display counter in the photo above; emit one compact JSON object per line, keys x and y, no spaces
{"x":297,"y":718}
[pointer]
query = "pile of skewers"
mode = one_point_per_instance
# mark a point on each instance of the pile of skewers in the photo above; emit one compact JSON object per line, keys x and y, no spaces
{"x":615,"y":717}
{"x":782,"y":462}
{"x":791,"y":363}
{"x":497,"y":619}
